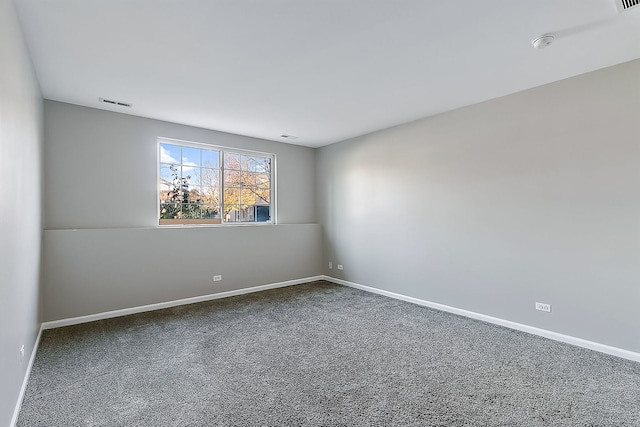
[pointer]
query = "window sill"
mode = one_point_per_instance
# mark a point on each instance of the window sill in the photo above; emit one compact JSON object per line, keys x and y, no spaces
{"x":189,"y":221}
{"x":214,"y":225}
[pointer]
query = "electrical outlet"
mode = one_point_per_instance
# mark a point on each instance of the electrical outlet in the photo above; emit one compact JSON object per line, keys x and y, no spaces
{"x":21,"y":353}
{"x":330,"y":265}
{"x":217,"y":278}
{"x":340,"y":267}
{"x":543,"y":307}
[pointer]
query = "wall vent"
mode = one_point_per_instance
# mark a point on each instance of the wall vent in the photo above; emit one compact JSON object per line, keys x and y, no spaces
{"x":120,"y":103}
{"x":623,"y":5}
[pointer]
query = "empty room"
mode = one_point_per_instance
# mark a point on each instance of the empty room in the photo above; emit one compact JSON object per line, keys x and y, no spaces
{"x":319,"y":212}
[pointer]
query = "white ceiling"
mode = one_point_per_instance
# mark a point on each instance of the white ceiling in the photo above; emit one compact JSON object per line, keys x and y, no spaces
{"x":323,"y":70}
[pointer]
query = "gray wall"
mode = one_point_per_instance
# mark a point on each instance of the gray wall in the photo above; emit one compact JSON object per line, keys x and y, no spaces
{"x":20,"y":208}
{"x":93,"y":271}
{"x":101,"y":168}
{"x":102,"y":249}
{"x":533,"y":197}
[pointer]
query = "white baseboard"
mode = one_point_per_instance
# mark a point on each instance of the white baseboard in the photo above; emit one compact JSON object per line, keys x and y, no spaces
{"x":603,"y":348}
{"x":140,"y":309}
{"x":25,"y":381}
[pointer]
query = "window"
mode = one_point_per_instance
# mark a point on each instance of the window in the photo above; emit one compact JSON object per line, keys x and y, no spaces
{"x":202,"y":184}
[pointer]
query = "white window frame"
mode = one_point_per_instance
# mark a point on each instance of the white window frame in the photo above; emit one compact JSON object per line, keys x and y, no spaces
{"x":222,"y":149}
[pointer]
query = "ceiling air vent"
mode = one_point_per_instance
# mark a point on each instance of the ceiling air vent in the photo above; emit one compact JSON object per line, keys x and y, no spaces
{"x":623,"y":5}
{"x":289,"y":137}
{"x":112,"y":102}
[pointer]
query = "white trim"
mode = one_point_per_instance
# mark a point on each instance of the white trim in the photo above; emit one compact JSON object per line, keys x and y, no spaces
{"x":141,"y":309}
{"x":209,"y":146}
{"x":25,"y":381}
{"x":603,"y":348}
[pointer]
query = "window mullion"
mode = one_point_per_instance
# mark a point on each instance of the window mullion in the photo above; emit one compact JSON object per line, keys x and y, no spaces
{"x":221,"y":201}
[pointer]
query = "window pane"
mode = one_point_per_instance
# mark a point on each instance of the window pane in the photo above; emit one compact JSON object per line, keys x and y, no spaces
{"x":240,"y":213}
{"x":232,"y":178}
{"x":247,"y":213}
{"x":168,"y":173}
{"x":255,"y":163}
{"x":210,"y":211}
{"x":190,"y":211}
{"x":248,"y":179}
{"x":239,"y":179}
{"x":263,"y":180}
{"x":231,"y":196}
{"x":231,"y":213}
{"x":165,"y":190}
{"x":194,"y":195}
{"x":191,"y":174}
{"x":170,"y":154}
{"x":191,"y":156}
{"x":171,"y":193}
{"x":262,"y":164}
{"x":263,"y":196}
{"x":169,"y":210}
{"x":248,"y":197}
{"x":263,"y":213}
{"x":210,"y":196}
{"x":248,"y":163}
{"x":231,"y":161}
{"x":210,"y":177}
{"x":211,"y":159}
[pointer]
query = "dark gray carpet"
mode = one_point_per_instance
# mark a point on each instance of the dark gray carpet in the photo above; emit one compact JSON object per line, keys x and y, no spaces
{"x":322,"y":355}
